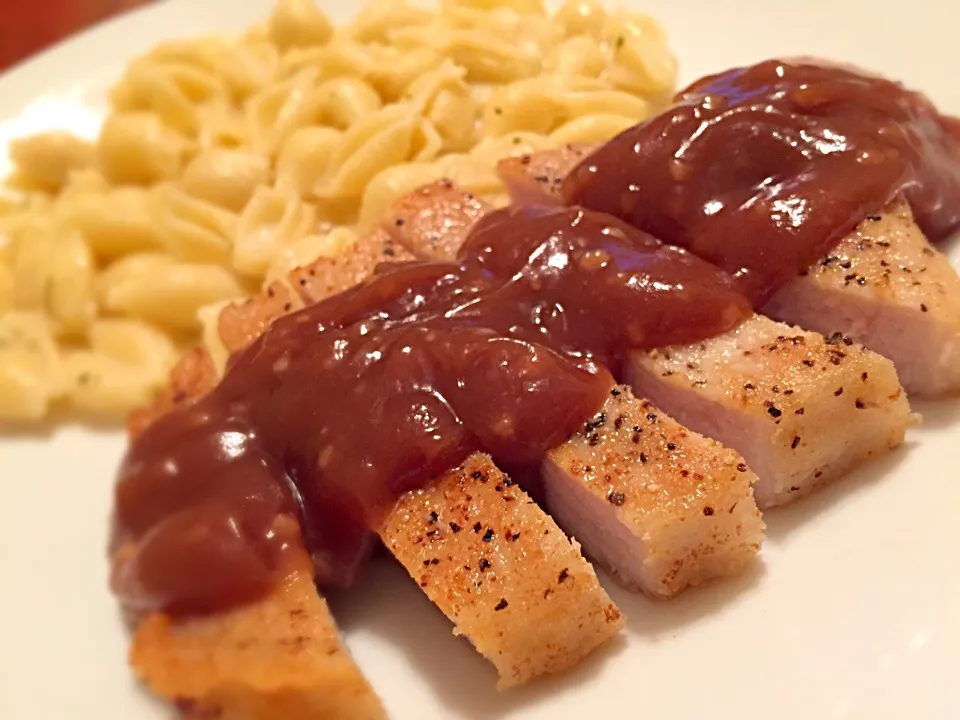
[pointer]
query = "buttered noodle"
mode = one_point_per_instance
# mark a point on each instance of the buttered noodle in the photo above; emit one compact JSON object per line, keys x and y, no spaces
{"x":225,"y":162}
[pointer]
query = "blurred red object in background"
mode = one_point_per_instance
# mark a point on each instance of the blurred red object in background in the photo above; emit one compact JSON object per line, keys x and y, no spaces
{"x":27,"y":26}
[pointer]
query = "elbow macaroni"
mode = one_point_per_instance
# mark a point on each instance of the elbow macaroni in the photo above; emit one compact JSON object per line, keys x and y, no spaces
{"x":227,"y":162}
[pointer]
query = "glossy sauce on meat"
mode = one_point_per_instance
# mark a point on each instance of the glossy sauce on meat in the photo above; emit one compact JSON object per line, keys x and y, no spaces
{"x":761,"y":170}
{"x":338,"y":409}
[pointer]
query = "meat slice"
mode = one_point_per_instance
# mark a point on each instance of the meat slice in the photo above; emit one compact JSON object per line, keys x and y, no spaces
{"x":243,"y":321}
{"x":433,"y":221}
{"x":192,"y":377}
{"x":885,"y":286}
{"x":327,"y":276}
{"x":280,"y":657}
{"x":659,"y":506}
{"x":790,"y":455}
{"x":801,"y":410}
{"x":535,"y":179}
{"x":578,"y":615}
{"x":502,"y":571}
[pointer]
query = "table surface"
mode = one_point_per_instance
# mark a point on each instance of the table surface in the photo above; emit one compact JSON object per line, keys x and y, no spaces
{"x":28,"y":26}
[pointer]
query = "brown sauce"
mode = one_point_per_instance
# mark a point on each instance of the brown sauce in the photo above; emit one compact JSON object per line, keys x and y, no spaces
{"x":338,"y":409}
{"x":761,"y":170}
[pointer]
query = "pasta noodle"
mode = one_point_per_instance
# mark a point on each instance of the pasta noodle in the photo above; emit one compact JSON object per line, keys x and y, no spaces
{"x":158,"y":289}
{"x":194,"y":229}
{"x":53,"y":272}
{"x":31,"y":373}
{"x":126,"y":364}
{"x":305,"y":157}
{"x":344,"y":101}
{"x":114,"y":221}
{"x":224,"y":163}
{"x":382,"y":139}
{"x":137,"y":148}
{"x":272,"y":218}
{"x":48,"y":158}
{"x":6,"y":283}
{"x":225,"y":177}
{"x":297,"y":23}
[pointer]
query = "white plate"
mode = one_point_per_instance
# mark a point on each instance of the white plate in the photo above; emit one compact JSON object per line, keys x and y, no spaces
{"x":855,"y":612}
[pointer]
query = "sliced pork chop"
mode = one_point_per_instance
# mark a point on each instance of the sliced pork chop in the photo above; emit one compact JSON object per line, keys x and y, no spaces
{"x":577,"y":616}
{"x":502,"y":571}
{"x":536,"y":179}
{"x":240,"y":323}
{"x":801,"y":410}
{"x":433,"y":221}
{"x":280,"y":657}
{"x":660,"y":565}
{"x":430,"y":222}
{"x":192,"y":377}
{"x":659,"y":506}
{"x":885,"y":286}
{"x":838,"y":436}
{"x":327,"y":276}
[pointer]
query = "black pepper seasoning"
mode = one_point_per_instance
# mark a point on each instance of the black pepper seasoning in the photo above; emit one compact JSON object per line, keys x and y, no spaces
{"x":616,"y":498}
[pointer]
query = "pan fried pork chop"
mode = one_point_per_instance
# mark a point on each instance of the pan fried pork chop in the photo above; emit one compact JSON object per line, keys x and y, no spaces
{"x":433,"y":221}
{"x":763,"y":169}
{"x":502,"y":570}
{"x":280,"y":656}
{"x":803,"y":411}
{"x":769,"y":171}
{"x":885,"y":286}
{"x":591,"y":616}
{"x":728,"y":553}
{"x":658,"y":505}
{"x":536,"y":179}
{"x":704,"y":404}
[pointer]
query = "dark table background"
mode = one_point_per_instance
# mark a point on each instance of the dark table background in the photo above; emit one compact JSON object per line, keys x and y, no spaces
{"x":28,"y":26}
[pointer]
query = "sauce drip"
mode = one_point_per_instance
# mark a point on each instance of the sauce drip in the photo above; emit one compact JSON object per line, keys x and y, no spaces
{"x":762,"y":170}
{"x":338,"y":409}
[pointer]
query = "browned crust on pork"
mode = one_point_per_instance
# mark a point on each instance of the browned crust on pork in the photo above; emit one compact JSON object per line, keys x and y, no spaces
{"x":681,"y":504}
{"x":537,"y":178}
{"x":192,"y":377}
{"x":328,"y":276}
{"x":280,"y":657}
{"x":433,"y":221}
{"x":243,"y":322}
{"x":502,"y":570}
